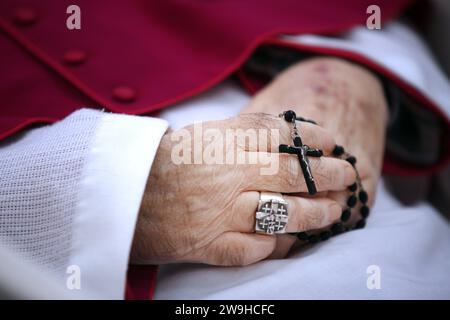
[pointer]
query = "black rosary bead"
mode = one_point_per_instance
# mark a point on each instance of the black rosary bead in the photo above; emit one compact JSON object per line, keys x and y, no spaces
{"x":353,"y":187}
{"x":360,"y":224}
{"x":351,"y":160}
{"x":324,"y":236}
{"x":363,"y":196}
{"x":338,"y":150}
{"x":290,"y":116}
{"x":351,"y":201}
{"x":364,"y":211}
{"x":313,"y":238}
{"x":337,"y":228}
{"x":302,"y":236}
{"x":345,"y":215}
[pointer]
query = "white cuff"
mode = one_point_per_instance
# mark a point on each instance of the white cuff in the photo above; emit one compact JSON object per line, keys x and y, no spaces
{"x":112,"y":185}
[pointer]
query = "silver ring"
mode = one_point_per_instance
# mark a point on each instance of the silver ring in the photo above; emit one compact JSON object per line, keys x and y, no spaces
{"x":272,"y":213}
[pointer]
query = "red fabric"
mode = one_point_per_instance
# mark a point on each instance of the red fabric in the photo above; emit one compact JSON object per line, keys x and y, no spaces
{"x":141,"y":282}
{"x":165,"y":50}
{"x":138,"y":56}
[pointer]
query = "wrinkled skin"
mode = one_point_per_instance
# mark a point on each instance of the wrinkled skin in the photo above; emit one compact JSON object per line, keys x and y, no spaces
{"x":344,"y":98}
{"x":205,"y":212}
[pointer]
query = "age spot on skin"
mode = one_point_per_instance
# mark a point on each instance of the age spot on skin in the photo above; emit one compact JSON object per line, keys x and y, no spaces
{"x":321,"y":68}
{"x":320,"y":89}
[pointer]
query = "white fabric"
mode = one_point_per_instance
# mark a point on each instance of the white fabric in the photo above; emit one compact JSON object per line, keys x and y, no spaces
{"x":70,"y":194}
{"x":410,"y":245}
{"x":22,"y":279}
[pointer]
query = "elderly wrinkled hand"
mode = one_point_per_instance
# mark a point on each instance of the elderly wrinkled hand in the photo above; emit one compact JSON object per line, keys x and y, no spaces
{"x":347,"y":100}
{"x":203,"y":210}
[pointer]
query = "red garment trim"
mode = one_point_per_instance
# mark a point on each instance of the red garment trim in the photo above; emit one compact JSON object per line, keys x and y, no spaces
{"x":141,"y":282}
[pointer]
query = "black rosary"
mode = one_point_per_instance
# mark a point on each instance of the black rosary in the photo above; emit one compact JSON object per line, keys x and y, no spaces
{"x":356,"y":190}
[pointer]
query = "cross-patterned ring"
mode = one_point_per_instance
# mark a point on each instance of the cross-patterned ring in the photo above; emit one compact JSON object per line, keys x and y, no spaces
{"x":272,"y":214}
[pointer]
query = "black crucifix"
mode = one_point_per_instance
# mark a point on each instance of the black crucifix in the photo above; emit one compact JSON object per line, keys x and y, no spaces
{"x":303,"y":152}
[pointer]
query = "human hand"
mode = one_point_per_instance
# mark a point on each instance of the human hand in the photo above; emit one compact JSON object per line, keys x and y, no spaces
{"x":205,"y":212}
{"x":343,"y":98}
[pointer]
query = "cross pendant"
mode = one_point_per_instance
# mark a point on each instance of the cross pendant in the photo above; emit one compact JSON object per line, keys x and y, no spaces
{"x":303,"y":152}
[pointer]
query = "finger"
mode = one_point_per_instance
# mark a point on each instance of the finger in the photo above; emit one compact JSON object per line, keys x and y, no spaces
{"x":303,"y":213}
{"x":263,"y":132}
{"x":316,"y":137}
{"x":239,"y":249}
{"x":283,"y":246}
{"x":310,"y":214}
{"x":243,"y":212}
{"x":339,"y":196}
{"x":356,"y":212}
{"x":282,"y":173}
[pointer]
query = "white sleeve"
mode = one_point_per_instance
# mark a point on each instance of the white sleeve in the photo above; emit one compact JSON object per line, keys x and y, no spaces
{"x":70,"y":195}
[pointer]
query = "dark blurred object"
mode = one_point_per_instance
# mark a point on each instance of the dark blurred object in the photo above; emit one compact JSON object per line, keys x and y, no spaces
{"x":410,"y":190}
{"x":440,"y":192}
{"x":432,"y":19}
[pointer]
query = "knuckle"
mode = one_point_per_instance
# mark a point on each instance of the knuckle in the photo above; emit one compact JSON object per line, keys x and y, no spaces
{"x":324,"y":172}
{"x":245,"y":202}
{"x":316,"y":217}
{"x":291,"y":175}
{"x":312,"y":136}
{"x":301,"y":223}
{"x":257,"y":120}
{"x":333,"y":174}
{"x":238,"y":257}
{"x":318,"y":137}
{"x":348,"y":173}
{"x":231,"y":254}
{"x":317,"y":164}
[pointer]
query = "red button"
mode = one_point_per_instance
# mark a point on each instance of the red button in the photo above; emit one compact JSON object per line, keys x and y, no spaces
{"x":124,"y":94}
{"x":75,"y":56}
{"x":25,"y":16}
